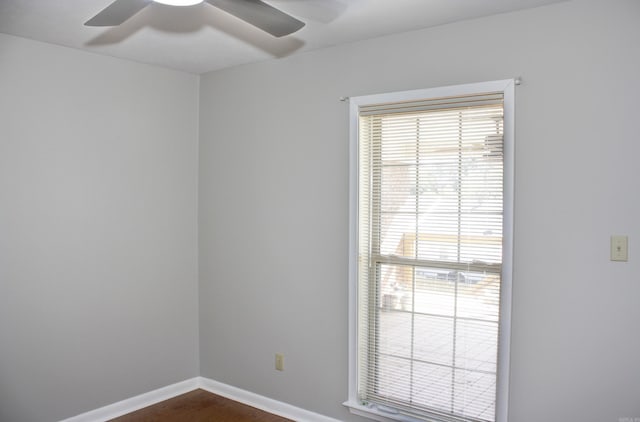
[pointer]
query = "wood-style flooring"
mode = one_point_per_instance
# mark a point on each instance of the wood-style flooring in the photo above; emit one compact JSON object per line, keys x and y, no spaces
{"x":199,"y":406}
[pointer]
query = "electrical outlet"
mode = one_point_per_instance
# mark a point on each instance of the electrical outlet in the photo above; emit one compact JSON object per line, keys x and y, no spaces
{"x":279,"y":362}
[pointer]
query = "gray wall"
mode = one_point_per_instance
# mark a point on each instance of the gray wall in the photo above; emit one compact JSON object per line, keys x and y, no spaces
{"x":98,"y":218}
{"x":274,"y":213}
{"x":98,"y":229}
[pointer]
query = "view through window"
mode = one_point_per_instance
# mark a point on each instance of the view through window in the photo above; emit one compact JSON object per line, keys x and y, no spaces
{"x":430,"y":255}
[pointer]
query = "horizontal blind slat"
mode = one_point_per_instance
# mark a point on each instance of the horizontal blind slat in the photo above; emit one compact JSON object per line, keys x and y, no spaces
{"x":438,"y":104}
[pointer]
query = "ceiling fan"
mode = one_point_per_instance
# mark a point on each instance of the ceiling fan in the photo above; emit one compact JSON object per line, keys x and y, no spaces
{"x":255,"y":12}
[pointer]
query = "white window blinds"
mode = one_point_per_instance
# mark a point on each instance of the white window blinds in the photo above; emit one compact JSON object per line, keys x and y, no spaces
{"x":430,"y":248}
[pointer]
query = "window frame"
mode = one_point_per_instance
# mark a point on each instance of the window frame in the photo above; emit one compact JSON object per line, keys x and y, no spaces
{"x":507,"y":87}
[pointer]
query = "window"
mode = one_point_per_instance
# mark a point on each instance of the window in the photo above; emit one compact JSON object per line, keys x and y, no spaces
{"x":430,"y":243}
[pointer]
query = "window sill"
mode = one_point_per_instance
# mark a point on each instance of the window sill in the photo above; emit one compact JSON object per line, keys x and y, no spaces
{"x":373,"y":412}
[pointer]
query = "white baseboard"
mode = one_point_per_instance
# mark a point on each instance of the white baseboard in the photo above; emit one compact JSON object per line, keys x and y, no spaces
{"x":263,"y":403}
{"x":136,"y":403}
{"x":252,"y":399}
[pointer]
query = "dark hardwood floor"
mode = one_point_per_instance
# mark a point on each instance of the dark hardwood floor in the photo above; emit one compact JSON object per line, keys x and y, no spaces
{"x":199,"y":406}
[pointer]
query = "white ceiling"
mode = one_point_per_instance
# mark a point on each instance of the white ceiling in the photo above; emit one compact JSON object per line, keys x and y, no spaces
{"x":202,"y":38}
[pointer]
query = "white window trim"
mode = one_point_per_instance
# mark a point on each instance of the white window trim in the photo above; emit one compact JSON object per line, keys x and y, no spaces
{"x":508,"y":88}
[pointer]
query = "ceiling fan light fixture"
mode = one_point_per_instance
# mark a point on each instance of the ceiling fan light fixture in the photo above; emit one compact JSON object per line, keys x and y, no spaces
{"x":179,"y":2}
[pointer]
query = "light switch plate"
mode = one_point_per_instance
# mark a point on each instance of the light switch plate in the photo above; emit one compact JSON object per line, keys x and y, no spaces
{"x":279,"y":361}
{"x":619,"y":248}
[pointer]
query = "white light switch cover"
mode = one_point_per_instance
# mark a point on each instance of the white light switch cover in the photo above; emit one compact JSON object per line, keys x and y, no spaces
{"x":619,"y":248}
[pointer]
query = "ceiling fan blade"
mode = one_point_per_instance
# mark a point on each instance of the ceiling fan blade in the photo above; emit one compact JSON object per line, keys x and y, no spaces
{"x":261,"y":15}
{"x":117,"y":12}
